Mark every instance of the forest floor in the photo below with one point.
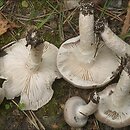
(57, 25)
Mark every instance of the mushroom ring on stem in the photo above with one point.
(76, 110)
(111, 40)
(81, 61)
(114, 105)
(29, 68)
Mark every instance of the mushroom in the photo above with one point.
(29, 68)
(111, 39)
(76, 111)
(81, 61)
(70, 4)
(114, 105)
(2, 95)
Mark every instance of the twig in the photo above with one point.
(33, 118)
(126, 25)
(40, 124)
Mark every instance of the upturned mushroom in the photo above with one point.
(76, 110)
(29, 69)
(111, 40)
(114, 106)
(81, 61)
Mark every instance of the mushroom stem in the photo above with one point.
(35, 57)
(91, 107)
(76, 110)
(86, 29)
(114, 42)
(34, 39)
(36, 53)
(88, 109)
(122, 89)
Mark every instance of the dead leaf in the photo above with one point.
(5, 25)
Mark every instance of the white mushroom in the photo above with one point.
(76, 110)
(111, 39)
(77, 59)
(2, 95)
(29, 70)
(114, 105)
(70, 4)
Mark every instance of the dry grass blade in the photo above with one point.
(72, 28)
(31, 121)
(38, 121)
(126, 25)
(109, 13)
(61, 31)
(72, 13)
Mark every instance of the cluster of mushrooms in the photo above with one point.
(31, 65)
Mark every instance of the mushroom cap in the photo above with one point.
(71, 112)
(2, 95)
(75, 67)
(70, 4)
(111, 114)
(34, 87)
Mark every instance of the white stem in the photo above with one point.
(122, 89)
(86, 30)
(114, 42)
(35, 57)
(87, 110)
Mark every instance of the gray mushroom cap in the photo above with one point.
(76, 110)
(114, 106)
(77, 59)
(70, 112)
(110, 114)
